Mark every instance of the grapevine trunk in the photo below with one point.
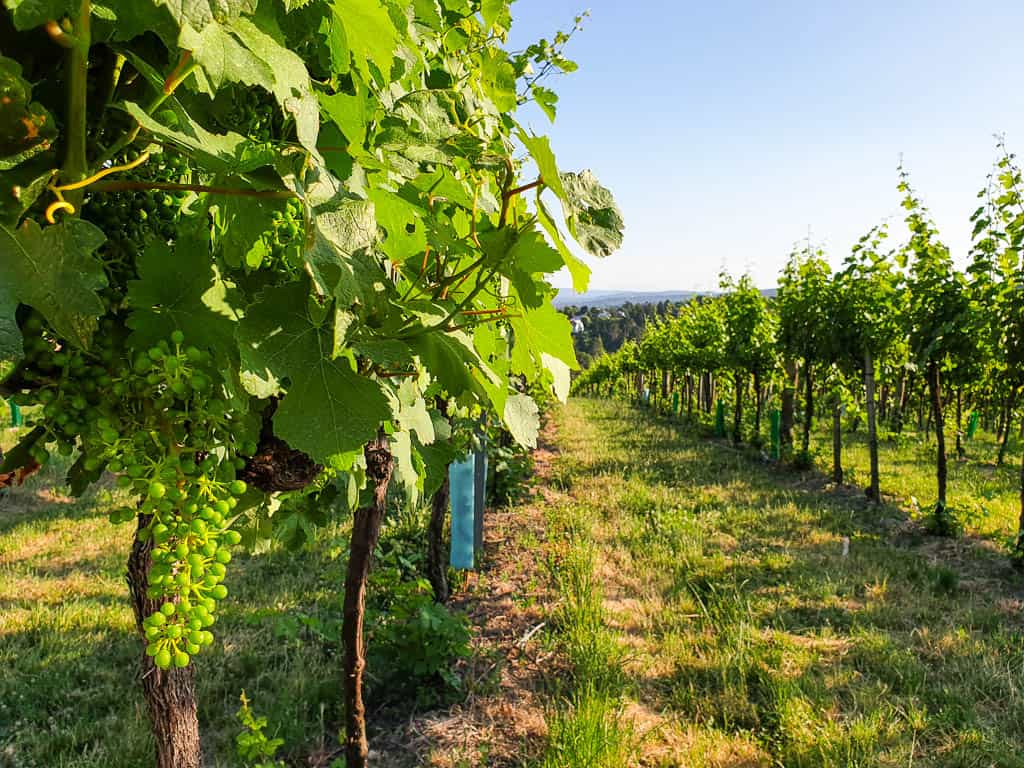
(365, 533)
(788, 404)
(940, 437)
(437, 570)
(170, 694)
(874, 490)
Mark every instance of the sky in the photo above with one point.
(730, 131)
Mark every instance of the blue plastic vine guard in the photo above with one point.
(461, 486)
(479, 494)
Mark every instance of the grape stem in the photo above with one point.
(524, 188)
(76, 162)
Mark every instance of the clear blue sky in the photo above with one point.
(726, 129)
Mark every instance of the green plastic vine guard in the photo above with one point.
(16, 417)
(720, 419)
(675, 403)
(972, 425)
(776, 436)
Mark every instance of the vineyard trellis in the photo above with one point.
(895, 329)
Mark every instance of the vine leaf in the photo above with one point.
(243, 51)
(182, 289)
(578, 269)
(328, 409)
(54, 271)
(228, 153)
(370, 34)
(26, 128)
(199, 13)
(522, 418)
(592, 215)
(539, 331)
(33, 13)
(10, 334)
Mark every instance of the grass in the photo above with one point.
(750, 639)
(708, 617)
(69, 697)
(984, 496)
(585, 727)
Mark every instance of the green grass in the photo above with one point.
(707, 617)
(585, 726)
(986, 497)
(752, 640)
(69, 694)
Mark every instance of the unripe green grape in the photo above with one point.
(167, 609)
(223, 556)
(162, 659)
(157, 490)
(217, 570)
(232, 537)
(115, 466)
(173, 631)
(160, 617)
(209, 548)
(180, 659)
(192, 648)
(219, 591)
(182, 578)
(177, 336)
(193, 354)
(237, 487)
(152, 649)
(223, 507)
(152, 633)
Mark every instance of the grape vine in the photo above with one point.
(257, 256)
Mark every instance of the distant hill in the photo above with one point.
(567, 297)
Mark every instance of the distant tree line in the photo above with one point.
(601, 330)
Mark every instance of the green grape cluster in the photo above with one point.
(169, 435)
(285, 238)
(254, 114)
(129, 218)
